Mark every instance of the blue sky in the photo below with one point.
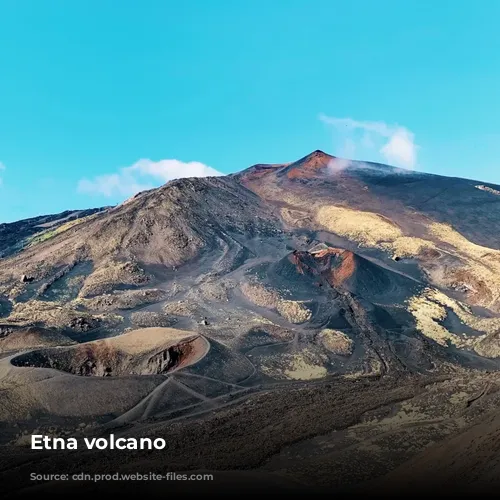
(99, 98)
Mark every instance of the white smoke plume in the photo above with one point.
(393, 143)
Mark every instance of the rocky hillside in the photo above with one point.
(16, 236)
(354, 308)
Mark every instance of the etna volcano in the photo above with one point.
(316, 325)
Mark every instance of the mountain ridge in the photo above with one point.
(346, 307)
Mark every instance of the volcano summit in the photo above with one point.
(329, 323)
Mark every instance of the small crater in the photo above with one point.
(129, 354)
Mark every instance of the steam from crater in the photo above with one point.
(393, 144)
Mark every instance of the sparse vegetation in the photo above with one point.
(147, 319)
(15, 338)
(128, 299)
(304, 365)
(336, 342)
(429, 315)
(56, 315)
(180, 308)
(464, 312)
(480, 266)
(366, 228)
(51, 233)
(293, 311)
(372, 230)
(111, 275)
(408, 246)
(429, 310)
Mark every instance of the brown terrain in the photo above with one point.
(320, 325)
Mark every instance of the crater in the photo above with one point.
(147, 351)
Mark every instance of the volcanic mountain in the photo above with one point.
(344, 313)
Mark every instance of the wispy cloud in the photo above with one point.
(2, 168)
(394, 143)
(142, 175)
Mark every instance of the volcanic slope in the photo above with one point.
(316, 305)
(444, 224)
(15, 236)
(72, 280)
(468, 455)
(465, 204)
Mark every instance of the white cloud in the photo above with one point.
(142, 175)
(394, 143)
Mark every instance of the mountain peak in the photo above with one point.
(318, 155)
(309, 165)
(320, 152)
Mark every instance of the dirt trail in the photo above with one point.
(187, 374)
(154, 397)
(190, 391)
(138, 411)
